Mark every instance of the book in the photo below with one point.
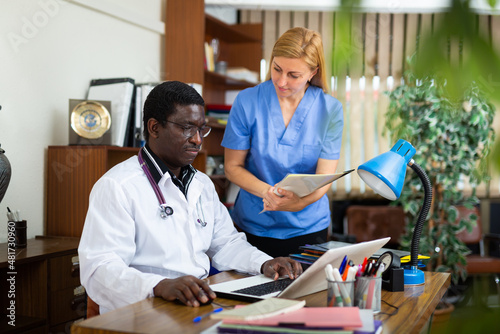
(320, 249)
(142, 92)
(309, 317)
(261, 309)
(370, 326)
(248, 329)
(304, 184)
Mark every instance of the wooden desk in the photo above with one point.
(44, 287)
(155, 315)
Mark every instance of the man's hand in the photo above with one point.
(188, 289)
(281, 266)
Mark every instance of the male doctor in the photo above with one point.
(154, 222)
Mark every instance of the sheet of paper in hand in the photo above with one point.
(304, 184)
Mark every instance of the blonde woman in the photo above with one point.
(287, 124)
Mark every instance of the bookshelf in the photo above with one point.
(187, 29)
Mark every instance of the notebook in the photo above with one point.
(312, 280)
(259, 310)
(309, 317)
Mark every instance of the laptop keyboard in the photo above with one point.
(266, 288)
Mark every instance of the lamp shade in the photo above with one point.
(385, 174)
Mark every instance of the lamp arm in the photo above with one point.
(424, 211)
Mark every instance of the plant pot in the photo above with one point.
(441, 317)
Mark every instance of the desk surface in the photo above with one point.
(39, 248)
(155, 315)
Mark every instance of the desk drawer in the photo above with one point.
(64, 272)
(68, 304)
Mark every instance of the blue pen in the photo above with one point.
(342, 266)
(201, 317)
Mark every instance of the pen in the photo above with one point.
(342, 265)
(10, 215)
(201, 317)
(346, 271)
(368, 268)
(363, 266)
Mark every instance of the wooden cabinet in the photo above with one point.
(43, 287)
(71, 174)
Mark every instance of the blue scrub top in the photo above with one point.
(315, 131)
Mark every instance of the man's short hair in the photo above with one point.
(163, 100)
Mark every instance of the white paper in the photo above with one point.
(304, 184)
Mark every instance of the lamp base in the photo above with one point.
(414, 276)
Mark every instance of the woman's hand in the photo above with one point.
(285, 201)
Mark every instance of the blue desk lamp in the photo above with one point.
(385, 174)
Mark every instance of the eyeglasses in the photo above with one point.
(190, 130)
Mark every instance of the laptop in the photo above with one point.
(312, 280)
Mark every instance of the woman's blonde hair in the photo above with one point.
(306, 44)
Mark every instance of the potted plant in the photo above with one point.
(453, 140)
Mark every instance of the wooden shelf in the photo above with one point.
(232, 33)
(224, 80)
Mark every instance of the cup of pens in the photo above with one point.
(16, 229)
(367, 292)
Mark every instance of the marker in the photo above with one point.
(380, 270)
(201, 317)
(351, 274)
(343, 292)
(336, 292)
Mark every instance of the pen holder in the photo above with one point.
(340, 293)
(367, 293)
(17, 230)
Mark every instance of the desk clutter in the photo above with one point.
(394, 262)
(295, 319)
(355, 285)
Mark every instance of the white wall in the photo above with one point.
(49, 52)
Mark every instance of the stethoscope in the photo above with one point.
(166, 210)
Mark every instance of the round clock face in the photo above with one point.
(389, 260)
(90, 119)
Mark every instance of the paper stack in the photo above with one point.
(307, 320)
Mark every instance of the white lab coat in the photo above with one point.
(126, 248)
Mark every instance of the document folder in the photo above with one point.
(120, 91)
